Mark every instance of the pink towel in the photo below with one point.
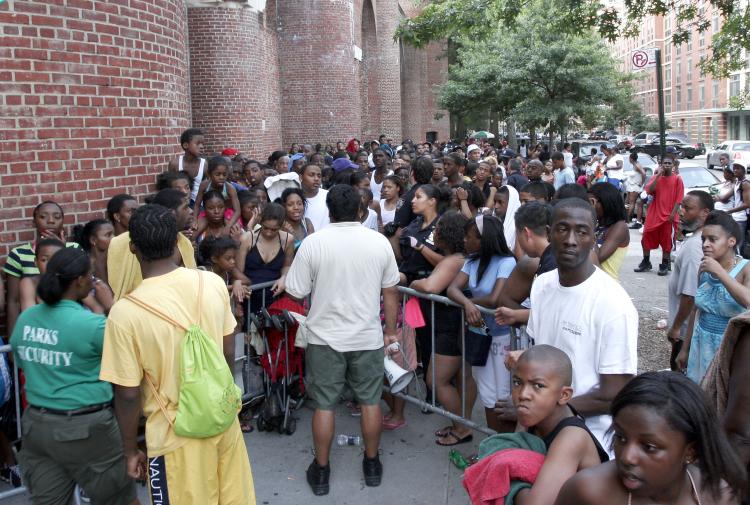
(488, 480)
(413, 313)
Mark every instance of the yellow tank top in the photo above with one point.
(612, 264)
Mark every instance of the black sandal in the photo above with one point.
(459, 440)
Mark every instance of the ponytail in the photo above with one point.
(65, 266)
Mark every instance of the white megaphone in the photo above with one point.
(397, 377)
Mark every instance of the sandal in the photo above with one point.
(443, 432)
(391, 426)
(459, 440)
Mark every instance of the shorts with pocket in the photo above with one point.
(61, 451)
(493, 379)
(328, 372)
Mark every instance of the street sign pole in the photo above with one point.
(660, 102)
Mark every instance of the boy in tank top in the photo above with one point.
(191, 162)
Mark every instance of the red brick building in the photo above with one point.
(94, 94)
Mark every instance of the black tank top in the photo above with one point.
(577, 421)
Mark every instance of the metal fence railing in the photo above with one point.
(517, 338)
(6, 349)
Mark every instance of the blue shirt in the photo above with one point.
(499, 267)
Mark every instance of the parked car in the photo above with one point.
(644, 138)
(582, 150)
(736, 149)
(681, 149)
(648, 163)
(695, 176)
(698, 147)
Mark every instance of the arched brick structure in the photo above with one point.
(93, 97)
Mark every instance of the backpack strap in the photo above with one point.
(168, 319)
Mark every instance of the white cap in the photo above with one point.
(472, 147)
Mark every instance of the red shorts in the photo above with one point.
(659, 236)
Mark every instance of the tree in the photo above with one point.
(443, 19)
(534, 73)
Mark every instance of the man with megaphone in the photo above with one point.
(345, 268)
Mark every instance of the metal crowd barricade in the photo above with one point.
(246, 357)
(517, 339)
(17, 397)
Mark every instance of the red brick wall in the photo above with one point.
(93, 97)
(234, 78)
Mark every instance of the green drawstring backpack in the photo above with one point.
(209, 399)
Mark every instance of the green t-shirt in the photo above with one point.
(59, 348)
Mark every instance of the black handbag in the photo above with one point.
(477, 344)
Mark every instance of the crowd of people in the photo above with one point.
(98, 318)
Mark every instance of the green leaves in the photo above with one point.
(477, 21)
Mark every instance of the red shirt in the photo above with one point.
(668, 193)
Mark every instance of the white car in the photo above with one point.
(738, 150)
(696, 176)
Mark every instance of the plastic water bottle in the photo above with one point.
(348, 439)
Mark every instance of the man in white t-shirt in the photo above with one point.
(315, 198)
(583, 311)
(615, 172)
(567, 155)
(346, 267)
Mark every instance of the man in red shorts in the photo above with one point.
(661, 221)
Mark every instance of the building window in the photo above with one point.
(677, 98)
(702, 40)
(702, 96)
(689, 65)
(715, 23)
(667, 52)
(734, 85)
(747, 82)
(677, 49)
(734, 127)
(690, 44)
(677, 71)
(667, 26)
(689, 98)
(667, 76)
(667, 102)
(715, 95)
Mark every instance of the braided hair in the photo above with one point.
(65, 266)
(153, 231)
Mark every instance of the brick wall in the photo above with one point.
(234, 78)
(93, 97)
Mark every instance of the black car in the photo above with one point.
(682, 148)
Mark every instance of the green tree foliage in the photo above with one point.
(443, 19)
(535, 73)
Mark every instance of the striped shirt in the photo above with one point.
(20, 262)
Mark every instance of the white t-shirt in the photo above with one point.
(317, 210)
(372, 220)
(344, 267)
(375, 187)
(612, 170)
(740, 216)
(568, 157)
(594, 323)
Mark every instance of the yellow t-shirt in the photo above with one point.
(123, 269)
(137, 341)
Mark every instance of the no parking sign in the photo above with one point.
(643, 58)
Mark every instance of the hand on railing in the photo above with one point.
(240, 291)
(473, 316)
(505, 410)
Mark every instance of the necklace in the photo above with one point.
(692, 485)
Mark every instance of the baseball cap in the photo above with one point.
(472, 147)
(342, 164)
(508, 153)
(230, 151)
(671, 150)
(739, 163)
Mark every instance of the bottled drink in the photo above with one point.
(348, 439)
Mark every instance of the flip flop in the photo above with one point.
(459, 440)
(391, 426)
(443, 432)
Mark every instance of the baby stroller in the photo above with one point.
(282, 366)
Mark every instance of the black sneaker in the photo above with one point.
(645, 266)
(373, 470)
(635, 226)
(317, 477)
(663, 269)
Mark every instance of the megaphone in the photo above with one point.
(397, 377)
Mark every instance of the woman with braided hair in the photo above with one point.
(70, 434)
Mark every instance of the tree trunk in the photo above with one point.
(512, 138)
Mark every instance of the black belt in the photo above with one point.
(76, 412)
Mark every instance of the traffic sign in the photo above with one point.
(643, 58)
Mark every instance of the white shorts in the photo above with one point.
(493, 379)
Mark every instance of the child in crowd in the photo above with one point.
(176, 180)
(249, 210)
(119, 209)
(293, 200)
(218, 170)
(390, 198)
(215, 222)
(191, 162)
(535, 192)
(253, 173)
(261, 194)
(541, 390)
(668, 442)
(369, 217)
